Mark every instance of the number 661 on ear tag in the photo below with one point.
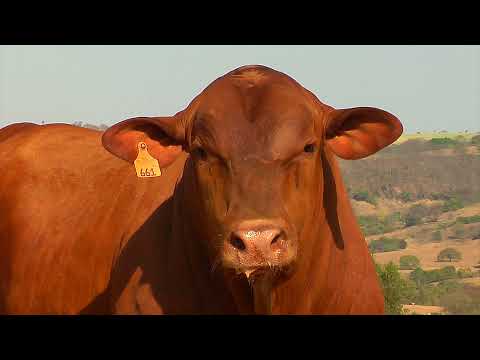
(145, 164)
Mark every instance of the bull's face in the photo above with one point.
(255, 152)
(255, 139)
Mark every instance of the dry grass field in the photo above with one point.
(472, 281)
(434, 135)
(423, 309)
(427, 254)
(418, 244)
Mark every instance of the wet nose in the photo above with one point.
(263, 238)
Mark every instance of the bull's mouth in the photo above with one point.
(277, 272)
(254, 272)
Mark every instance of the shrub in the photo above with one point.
(405, 196)
(417, 213)
(373, 225)
(456, 297)
(459, 231)
(449, 254)
(412, 220)
(468, 219)
(422, 277)
(461, 301)
(446, 273)
(449, 286)
(439, 196)
(409, 262)
(452, 204)
(437, 236)
(446, 225)
(364, 196)
(443, 142)
(475, 140)
(393, 221)
(465, 273)
(385, 244)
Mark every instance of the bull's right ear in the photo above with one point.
(164, 137)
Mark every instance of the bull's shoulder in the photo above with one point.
(63, 163)
(32, 142)
(63, 196)
(64, 171)
(16, 129)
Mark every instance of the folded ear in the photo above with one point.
(164, 137)
(360, 132)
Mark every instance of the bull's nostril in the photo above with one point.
(276, 238)
(237, 243)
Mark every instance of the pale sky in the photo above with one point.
(428, 87)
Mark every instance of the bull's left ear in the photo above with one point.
(360, 132)
(164, 136)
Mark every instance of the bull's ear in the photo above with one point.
(164, 137)
(359, 132)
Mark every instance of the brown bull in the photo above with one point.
(249, 215)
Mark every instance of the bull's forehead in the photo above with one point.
(253, 113)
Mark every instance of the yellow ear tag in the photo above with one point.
(145, 164)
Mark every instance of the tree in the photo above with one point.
(409, 262)
(449, 254)
(393, 287)
(419, 276)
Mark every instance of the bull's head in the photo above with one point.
(255, 139)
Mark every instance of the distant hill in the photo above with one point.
(415, 169)
(425, 191)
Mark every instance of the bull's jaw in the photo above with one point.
(261, 283)
(262, 295)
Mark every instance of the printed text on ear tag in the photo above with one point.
(145, 164)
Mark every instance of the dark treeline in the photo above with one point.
(101, 127)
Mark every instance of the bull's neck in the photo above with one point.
(334, 260)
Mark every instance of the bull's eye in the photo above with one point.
(202, 154)
(309, 148)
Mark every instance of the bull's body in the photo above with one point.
(81, 233)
